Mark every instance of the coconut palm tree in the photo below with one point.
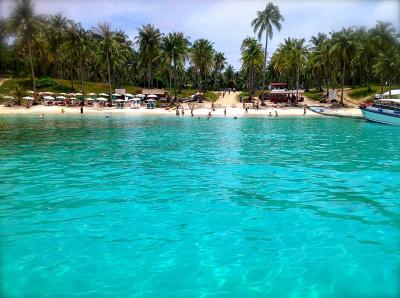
(229, 76)
(175, 47)
(148, 40)
(388, 65)
(202, 60)
(107, 44)
(253, 61)
(219, 65)
(344, 48)
(22, 23)
(264, 22)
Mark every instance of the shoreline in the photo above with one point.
(201, 112)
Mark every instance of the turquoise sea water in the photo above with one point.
(172, 207)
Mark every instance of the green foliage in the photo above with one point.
(314, 94)
(210, 96)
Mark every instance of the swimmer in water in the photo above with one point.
(41, 116)
(235, 117)
(62, 111)
(107, 115)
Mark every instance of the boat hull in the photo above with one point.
(385, 117)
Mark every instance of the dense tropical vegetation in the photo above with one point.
(52, 46)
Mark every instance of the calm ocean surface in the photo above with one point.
(172, 207)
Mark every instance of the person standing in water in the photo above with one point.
(177, 112)
(225, 112)
(305, 111)
(82, 104)
(276, 114)
(191, 111)
(183, 111)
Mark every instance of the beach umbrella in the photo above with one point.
(140, 95)
(152, 96)
(71, 94)
(27, 97)
(47, 93)
(89, 99)
(62, 93)
(47, 97)
(30, 92)
(7, 97)
(103, 94)
(119, 100)
(72, 98)
(128, 95)
(91, 94)
(78, 94)
(61, 97)
(115, 94)
(102, 99)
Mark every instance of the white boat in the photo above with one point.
(385, 110)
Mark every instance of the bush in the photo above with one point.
(45, 82)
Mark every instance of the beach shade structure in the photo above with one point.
(7, 97)
(103, 94)
(101, 99)
(28, 98)
(47, 92)
(90, 99)
(128, 95)
(91, 94)
(48, 97)
(78, 94)
(119, 100)
(151, 96)
(61, 97)
(62, 93)
(140, 95)
(30, 92)
(71, 94)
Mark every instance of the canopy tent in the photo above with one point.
(91, 94)
(101, 99)
(61, 97)
(103, 94)
(28, 98)
(140, 95)
(152, 96)
(47, 97)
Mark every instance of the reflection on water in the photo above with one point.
(146, 206)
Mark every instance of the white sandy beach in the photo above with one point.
(200, 112)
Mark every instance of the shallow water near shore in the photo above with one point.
(187, 207)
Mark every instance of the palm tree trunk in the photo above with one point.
(265, 63)
(32, 70)
(390, 85)
(343, 73)
(109, 77)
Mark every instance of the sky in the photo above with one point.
(224, 22)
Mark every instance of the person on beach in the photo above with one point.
(223, 94)
(183, 111)
(276, 114)
(191, 111)
(246, 111)
(81, 104)
(62, 111)
(177, 112)
(225, 112)
(270, 114)
(305, 111)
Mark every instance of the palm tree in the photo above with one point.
(344, 48)
(388, 65)
(107, 45)
(22, 22)
(175, 47)
(202, 60)
(252, 59)
(264, 22)
(219, 65)
(229, 76)
(148, 40)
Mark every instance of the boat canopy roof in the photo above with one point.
(393, 92)
(394, 100)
